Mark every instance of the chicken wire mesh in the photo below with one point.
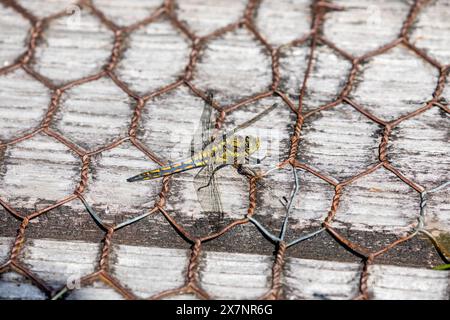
(196, 40)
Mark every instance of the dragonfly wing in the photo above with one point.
(203, 135)
(205, 181)
(256, 118)
(215, 195)
(208, 193)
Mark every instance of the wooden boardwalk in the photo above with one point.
(117, 87)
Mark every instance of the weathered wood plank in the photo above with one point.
(23, 103)
(150, 270)
(129, 12)
(61, 56)
(363, 26)
(326, 80)
(203, 18)
(51, 6)
(156, 56)
(14, 33)
(94, 114)
(281, 22)
(431, 30)
(340, 142)
(394, 96)
(240, 51)
(38, 171)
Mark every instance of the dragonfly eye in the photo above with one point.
(252, 144)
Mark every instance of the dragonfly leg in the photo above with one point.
(255, 160)
(212, 176)
(245, 170)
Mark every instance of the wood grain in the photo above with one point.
(398, 70)
(156, 56)
(14, 33)
(240, 51)
(283, 21)
(327, 78)
(23, 103)
(365, 26)
(61, 56)
(339, 142)
(201, 18)
(94, 114)
(431, 31)
(127, 13)
(223, 275)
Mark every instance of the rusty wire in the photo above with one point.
(314, 37)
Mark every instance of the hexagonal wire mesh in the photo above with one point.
(131, 119)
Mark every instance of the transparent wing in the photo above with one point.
(205, 181)
(203, 135)
(207, 190)
(256, 118)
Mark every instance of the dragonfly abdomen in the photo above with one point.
(167, 170)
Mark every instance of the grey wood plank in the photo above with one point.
(339, 142)
(151, 270)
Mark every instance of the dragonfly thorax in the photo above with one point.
(234, 149)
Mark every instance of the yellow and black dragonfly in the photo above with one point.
(211, 151)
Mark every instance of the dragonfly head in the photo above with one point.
(252, 144)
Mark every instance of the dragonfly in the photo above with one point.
(210, 152)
